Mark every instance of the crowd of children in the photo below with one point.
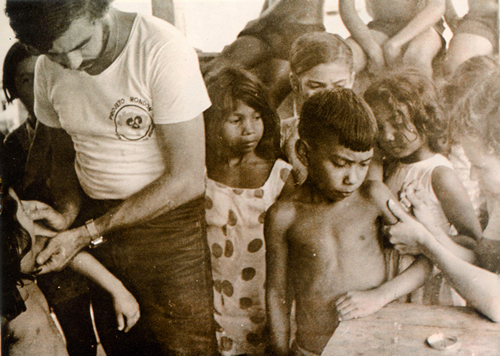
(332, 205)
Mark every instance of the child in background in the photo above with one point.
(324, 246)
(413, 132)
(318, 61)
(401, 31)
(245, 177)
(27, 328)
(476, 34)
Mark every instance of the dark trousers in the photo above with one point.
(165, 264)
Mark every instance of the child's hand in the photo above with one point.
(392, 52)
(418, 201)
(126, 309)
(358, 304)
(376, 62)
(38, 211)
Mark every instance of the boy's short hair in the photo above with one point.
(408, 87)
(338, 113)
(16, 54)
(38, 23)
(476, 114)
(316, 48)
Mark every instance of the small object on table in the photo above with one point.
(442, 342)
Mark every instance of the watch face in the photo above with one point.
(97, 242)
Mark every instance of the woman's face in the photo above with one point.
(321, 77)
(485, 165)
(24, 81)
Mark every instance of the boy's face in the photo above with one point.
(322, 77)
(485, 166)
(25, 78)
(335, 170)
(80, 46)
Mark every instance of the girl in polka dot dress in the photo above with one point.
(245, 177)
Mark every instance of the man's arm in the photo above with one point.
(277, 300)
(183, 149)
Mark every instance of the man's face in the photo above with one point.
(336, 170)
(80, 45)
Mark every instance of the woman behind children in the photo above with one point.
(245, 177)
(318, 61)
(413, 135)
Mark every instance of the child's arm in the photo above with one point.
(356, 304)
(451, 16)
(430, 14)
(455, 202)
(126, 307)
(361, 33)
(278, 303)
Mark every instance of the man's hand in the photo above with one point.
(39, 211)
(61, 249)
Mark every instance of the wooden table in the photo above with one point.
(402, 329)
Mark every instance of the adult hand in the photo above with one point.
(408, 235)
(392, 53)
(61, 249)
(418, 201)
(39, 211)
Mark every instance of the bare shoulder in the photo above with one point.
(379, 194)
(281, 214)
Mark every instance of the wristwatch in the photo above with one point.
(95, 238)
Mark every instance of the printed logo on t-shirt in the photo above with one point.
(133, 121)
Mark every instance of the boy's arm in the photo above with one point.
(361, 33)
(430, 14)
(356, 304)
(126, 307)
(278, 305)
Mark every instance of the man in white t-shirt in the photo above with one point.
(128, 91)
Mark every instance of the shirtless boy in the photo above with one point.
(323, 240)
(402, 31)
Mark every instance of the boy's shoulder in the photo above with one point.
(377, 193)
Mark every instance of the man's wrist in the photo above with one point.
(96, 238)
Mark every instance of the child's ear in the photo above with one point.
(294, 82)
(302, 150)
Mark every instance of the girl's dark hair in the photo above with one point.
(316, 48)
(476, 114)
(38, 23)
(16, 242)
(338, 113)
(410, 88)
(226, 89)
(16, 54)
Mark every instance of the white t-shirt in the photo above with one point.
(110, 116)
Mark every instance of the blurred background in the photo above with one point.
(209, 25)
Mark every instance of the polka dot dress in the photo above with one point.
(236, 238)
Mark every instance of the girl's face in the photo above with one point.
(242, 130)
(398, 136)
(485, 166)
(323, 76)
(24, 81)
